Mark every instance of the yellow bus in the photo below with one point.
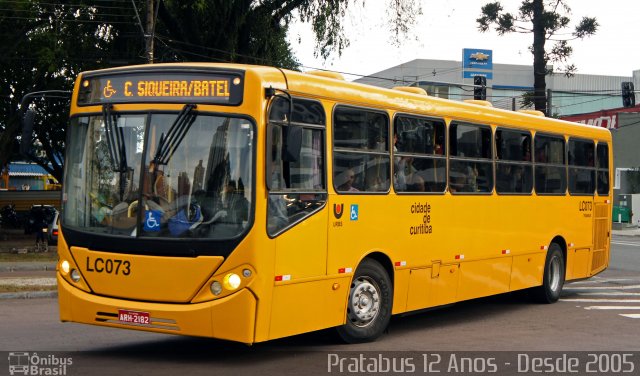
(250, 203)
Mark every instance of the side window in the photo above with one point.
(603, 169)
(582, 167)
(550, 169)
(419, 162)
(360, 151)
(297, 186)
(471, 165)
(514, 170)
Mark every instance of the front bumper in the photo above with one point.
(230, 318)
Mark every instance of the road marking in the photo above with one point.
(609, 293)
(631, 315)
(602, 300)
(601, 280)
(608, 307)
(630, 287)
(626, 243)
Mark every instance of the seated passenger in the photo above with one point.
(346, 180)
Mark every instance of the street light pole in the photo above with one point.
(150, 31)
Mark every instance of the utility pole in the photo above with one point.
(150, 30)
(549, 103)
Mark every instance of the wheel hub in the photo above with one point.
(365, 302)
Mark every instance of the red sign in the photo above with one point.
(605, 118)
(134, 317)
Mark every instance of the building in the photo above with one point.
(23, 176)
(505, 83)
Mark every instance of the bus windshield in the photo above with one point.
(173, 175)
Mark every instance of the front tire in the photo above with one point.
(369, 305)
(554, 275)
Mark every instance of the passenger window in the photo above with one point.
(297, 188)
(550, 170)
(361, 151)
(603, 184)
(514, 170)
(582, 172)
(419, 162)
(471, 164)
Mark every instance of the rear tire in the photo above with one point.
(369, 304)
(553, 278)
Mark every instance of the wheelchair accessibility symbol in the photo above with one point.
(152, 220)
(353, 213)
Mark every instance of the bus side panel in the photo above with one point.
(307, 306)
(444, 285)
(578, 263)
(301, 251)
(484, 278)
(527, 271)
(419, 288)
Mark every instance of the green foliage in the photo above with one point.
(47, 43)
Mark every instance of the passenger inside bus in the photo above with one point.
(346, 180)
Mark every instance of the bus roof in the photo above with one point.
(328, 87)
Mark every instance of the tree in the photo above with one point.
(546, 19)
(254, 32)
(47, 43)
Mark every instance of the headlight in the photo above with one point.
(65, 267)
(231, 281)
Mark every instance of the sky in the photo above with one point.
(448, 26)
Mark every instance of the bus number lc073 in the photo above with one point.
(109, 266)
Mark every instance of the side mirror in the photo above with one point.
(27, 131)
(292, 143)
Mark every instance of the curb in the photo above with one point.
(28, 295)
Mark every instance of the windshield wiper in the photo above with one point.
(117, 147)
(115, 139)
(169, 143)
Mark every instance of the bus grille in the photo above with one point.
(598, 260)
(601, 238)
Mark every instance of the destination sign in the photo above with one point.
(157, 87)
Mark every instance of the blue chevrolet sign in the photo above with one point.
(477, 59)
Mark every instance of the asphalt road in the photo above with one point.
(600, 315)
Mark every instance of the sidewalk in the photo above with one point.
(27, 280)
(25, 275)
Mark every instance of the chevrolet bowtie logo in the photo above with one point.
(479, 56)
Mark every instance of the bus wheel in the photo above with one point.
(553, 279)
(369, 307)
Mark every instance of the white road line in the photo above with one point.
(601, 300)
(609, 293)
(629, 287)
(631, 315)
(601, 280)
(607, 307)
(626, 243)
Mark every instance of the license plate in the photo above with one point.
(134, 317)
